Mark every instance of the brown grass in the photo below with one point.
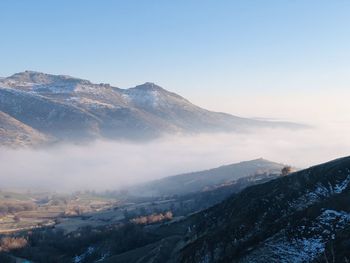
(154, 218)
(11, 243)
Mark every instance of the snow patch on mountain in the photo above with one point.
(280, 249)
(311, 242)
(319, 192)
(144, 98)
(81, 258)
(341, 186)
(334, 219)
(57, 88)
(91, 103)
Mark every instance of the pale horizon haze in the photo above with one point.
(227, 56)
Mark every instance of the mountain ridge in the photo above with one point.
(207, 179)
(76, 109)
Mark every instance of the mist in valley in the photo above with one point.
(111, 165)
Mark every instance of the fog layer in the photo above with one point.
(111, 165)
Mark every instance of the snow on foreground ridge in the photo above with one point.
(311, 244)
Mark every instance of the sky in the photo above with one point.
(274, 59)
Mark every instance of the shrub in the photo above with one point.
(11, 243)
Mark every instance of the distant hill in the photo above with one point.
(69, 108)
(208, 179)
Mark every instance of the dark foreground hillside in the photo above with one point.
(290, 219)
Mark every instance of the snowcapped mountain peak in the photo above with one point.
(42, 82)
(144, 95)
(149, 86)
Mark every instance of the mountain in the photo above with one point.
(208, 179)
(69, 108)
(290, 219)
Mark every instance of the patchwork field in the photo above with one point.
(24, 211)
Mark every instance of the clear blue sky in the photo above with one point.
(202, 47)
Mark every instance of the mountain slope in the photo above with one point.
(13, 132)
(72, 108)
(289, 219)
(46, 115)
(208, 179)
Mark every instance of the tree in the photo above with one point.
(286, 170)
